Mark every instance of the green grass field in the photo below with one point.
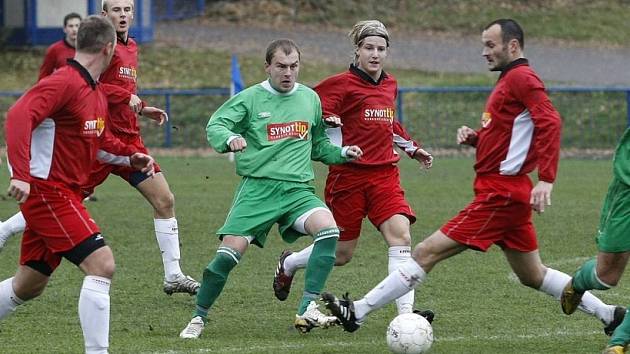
(480, 306)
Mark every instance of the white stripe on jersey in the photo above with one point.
(520, 142)
(406, 145)
(42, 145)
(106, 157)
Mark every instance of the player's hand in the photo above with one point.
(424, 157)
(135, 103)
(238, 144)
(143, 162)
(541, 196)
(333, 121)
(19, 190)
(353, 152)
(158, 115)
(466, 135)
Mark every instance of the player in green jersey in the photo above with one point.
(613, 243)
(277, 129)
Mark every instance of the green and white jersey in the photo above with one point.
(621, 161)
(284, 131)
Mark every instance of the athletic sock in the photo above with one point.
(94, 313)
(214, 277)
(586, 277)
(8, 300)
(319, 265)
(397, 283)
(297, 260)
(397, 256)
(555, 281)
(167, 236)
(13, 225)
(621, 334)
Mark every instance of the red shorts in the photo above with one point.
(101, 171)
(56, 222)
(356, 192)
(500, 214)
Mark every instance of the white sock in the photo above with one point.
(8, 300)
(168, 241)
(94, 313)
(397, 284)
(555, 281)
(397, 256)
(297, 260)
(13, 225)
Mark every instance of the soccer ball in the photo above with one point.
(409, 333)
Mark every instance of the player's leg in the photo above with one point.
(532, 273)
(157, 192)
(13, 225)
(96, 260)
(413, 272)
(321, 225)
(26, 284)
(397, 235)
(215, 276)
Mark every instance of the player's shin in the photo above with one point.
(8, 300)
(397, 256)
(319, 265)
(214, 278)
(167, 235)
(94, 313)
(586, 277)
(397, 284)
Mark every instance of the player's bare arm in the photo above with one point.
(541, 196)
(467, 136)
(19, 190)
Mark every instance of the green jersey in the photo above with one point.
(621, 161)
(283, 131)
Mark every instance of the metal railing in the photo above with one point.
(593, 117)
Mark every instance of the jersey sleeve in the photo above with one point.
(530, 90)
(48, 66)
(323, 150)
(42, 100)
(331, 92)
(403, 140)
(229, 120)
(113, 151)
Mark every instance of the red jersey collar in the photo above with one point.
(512, 65)
(83, 71)
(65, 41)
(360, 73)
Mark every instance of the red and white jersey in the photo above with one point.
(57, 55)
(520, 128)
(56, 130)
(367, 109)
(119, 82)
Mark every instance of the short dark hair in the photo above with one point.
(510, 29)
(286, 45)
(69, 17)
(94, 33)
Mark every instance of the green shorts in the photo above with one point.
(260, 202)
(613, 235)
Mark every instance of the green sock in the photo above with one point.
(586, 278)
(319, 265)
(621, 335)
(214, 278)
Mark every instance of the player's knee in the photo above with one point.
(164, 204)
(609, 278)
(29, 291)
(342, 257)
(425, 255)
(106, 268)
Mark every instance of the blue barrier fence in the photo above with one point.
(177, 9)
(594, 117)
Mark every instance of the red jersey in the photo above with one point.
(520, 128)
(367, 111)
(119, 82)
(57, 129)
(57, 55)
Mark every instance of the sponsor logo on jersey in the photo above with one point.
(94, 127)
(264, 114)
(290, 130)
(486, 118)
(379, 114)
(127, 72)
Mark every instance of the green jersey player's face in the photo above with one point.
(283, 70)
